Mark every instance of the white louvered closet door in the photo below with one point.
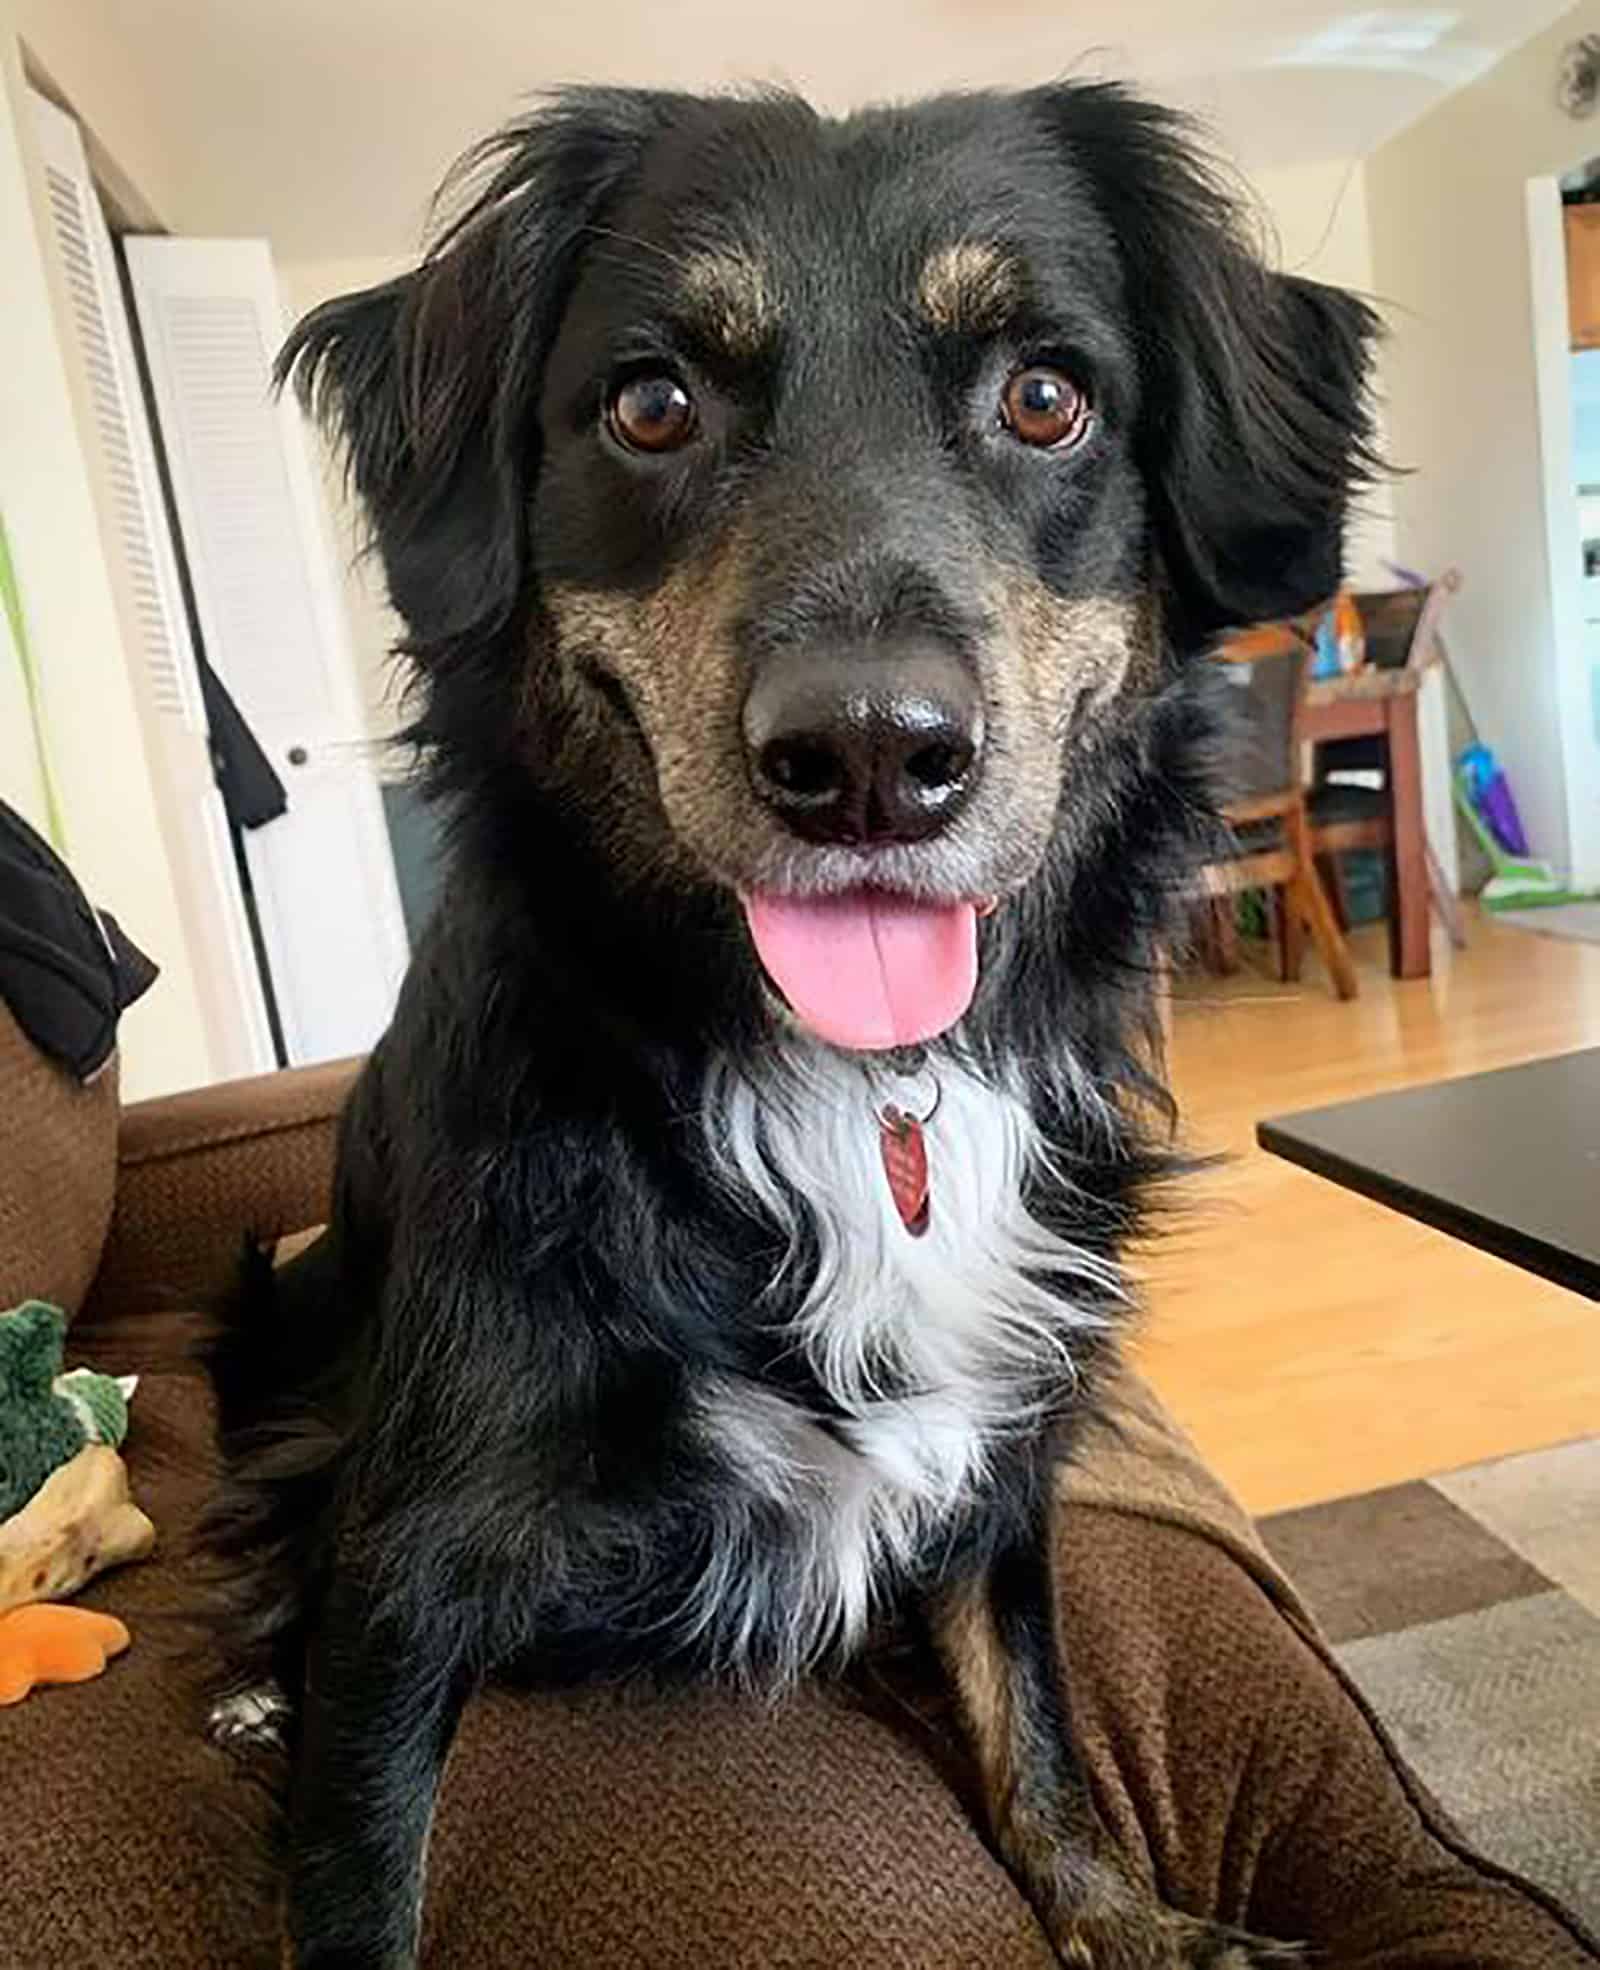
(166, 683)
(273, 625)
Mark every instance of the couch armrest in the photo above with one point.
(198, 1172)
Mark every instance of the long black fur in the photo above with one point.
(456, 1431)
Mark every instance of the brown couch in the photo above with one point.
(698, 1829)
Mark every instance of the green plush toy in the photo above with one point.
(46, 1417)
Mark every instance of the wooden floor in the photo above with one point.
(1317, 1344)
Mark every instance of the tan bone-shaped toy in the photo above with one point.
(80, 1521)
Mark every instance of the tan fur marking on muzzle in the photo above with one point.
(1072, 657)
(671, 650)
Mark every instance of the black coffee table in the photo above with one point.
(1508, 1161)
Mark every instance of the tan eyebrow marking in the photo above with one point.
(730, 293)
(970, 285)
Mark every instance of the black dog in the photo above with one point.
(806, 532)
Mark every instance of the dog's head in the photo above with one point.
(810, 503)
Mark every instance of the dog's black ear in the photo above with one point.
(1255, 425)
(429, 383)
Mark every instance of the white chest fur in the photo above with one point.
(930, 1347)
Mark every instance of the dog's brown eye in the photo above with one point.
(653, 413)
(1043, 407)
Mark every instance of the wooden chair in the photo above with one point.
(1265, 800)
(1402, 633)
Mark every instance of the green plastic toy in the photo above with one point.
(1519, 882)
(46, 1417)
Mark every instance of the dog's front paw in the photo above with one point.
(252, 1718)
(1165, 1940)
(1211, 1946)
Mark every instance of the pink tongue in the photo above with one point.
(869, 971)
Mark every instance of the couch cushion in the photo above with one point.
(677, 1831)
(670, 1831)
(690, 1828)
(58, 1166)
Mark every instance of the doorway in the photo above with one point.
(1564, 258)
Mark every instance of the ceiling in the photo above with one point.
(324, 124)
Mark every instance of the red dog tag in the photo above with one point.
(905, 1164)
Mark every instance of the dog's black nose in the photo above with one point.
(866, 746)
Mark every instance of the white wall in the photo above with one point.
(22, 783)
(49, 494)
(1448, 208)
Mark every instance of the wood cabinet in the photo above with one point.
(1583, 275)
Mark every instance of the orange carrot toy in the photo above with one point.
(45, 1643)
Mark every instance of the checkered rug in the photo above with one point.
(1467, 1610)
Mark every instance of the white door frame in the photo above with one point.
(162, 672)
(273, 625)
(1575, 708)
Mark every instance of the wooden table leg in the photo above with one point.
(1305, 897)
(1291, 928)
(1225, 928)
(1446, 902)
(1409, 954)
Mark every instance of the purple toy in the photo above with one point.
(1490, 793)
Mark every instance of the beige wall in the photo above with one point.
(1316, 215)
(1321, 228)
(51, 499)
(88, 65)
(1447, 202)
